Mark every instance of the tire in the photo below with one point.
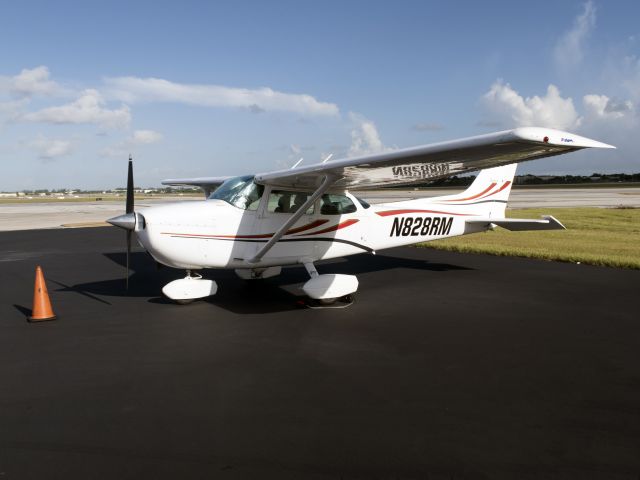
(327, 301)
(185, 301)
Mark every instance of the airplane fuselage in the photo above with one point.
(215, 234)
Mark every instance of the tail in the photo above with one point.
(488, 193)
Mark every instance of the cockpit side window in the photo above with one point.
(281, 201)
(240, 192)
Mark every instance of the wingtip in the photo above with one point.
(557, 137)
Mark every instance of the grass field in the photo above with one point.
(596, 236)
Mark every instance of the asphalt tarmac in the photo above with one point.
(446, 366)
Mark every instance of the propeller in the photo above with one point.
(129, 210)
(128, 220)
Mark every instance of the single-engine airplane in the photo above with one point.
(256, 224)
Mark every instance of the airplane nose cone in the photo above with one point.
(126, 221)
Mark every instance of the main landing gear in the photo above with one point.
(189, 288)
(335, 290)
(329, 289)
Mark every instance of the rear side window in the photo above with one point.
(364, 203)
(332, 204)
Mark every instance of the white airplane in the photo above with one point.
(256, 224)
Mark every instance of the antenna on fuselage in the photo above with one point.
(297, 163)
(328, 158)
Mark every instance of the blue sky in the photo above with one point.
(204, 89)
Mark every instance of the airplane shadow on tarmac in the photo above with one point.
(275, 294)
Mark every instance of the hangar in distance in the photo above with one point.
(257, 224)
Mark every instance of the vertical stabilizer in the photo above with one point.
(488, 193)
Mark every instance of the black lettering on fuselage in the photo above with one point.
(407, 226)
(421, 226)
(416, 226)
(396, 228)
(425, 226)
(445, 225)
(434, 226)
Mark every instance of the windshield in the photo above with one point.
(240, 192)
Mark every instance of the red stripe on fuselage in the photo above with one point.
(308, 226)
(334, 228)
(387, 213)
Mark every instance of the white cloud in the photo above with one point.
(569, 50)
(50, 148)
(129, 144)
(17, 91)
(134, 89)
(89, 108)
(11, 110)
(364, 137)
(601, 107)
(145, 137)
(29, 82)
(551, 110)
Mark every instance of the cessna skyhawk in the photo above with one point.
(256, 224)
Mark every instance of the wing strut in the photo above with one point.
(329, 180)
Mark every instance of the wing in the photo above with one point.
(208, 184)
(430, 162)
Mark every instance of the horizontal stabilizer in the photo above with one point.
(548, 222)
(208, 184)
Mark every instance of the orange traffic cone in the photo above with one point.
(41, 304)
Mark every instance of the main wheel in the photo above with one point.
(350, 298)
(327, 301)
(184, 301)
(345, 300)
